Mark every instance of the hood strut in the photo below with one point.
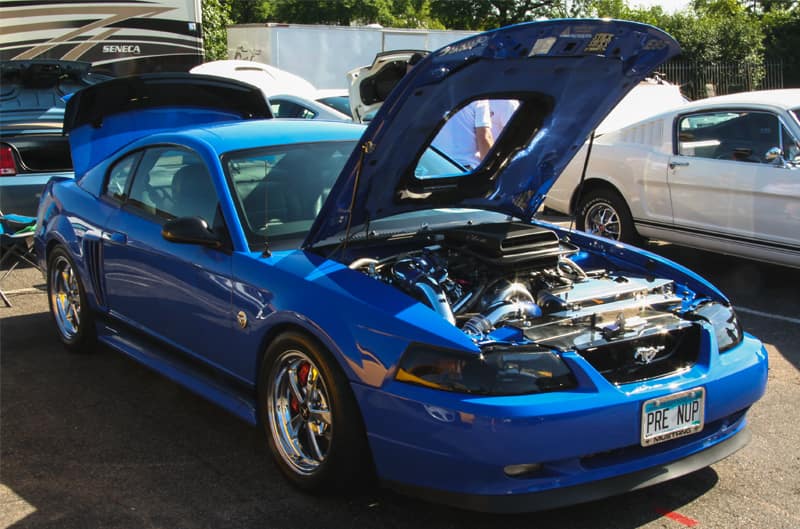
(366, 148)
(574, 209)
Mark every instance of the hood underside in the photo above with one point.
(567, 76)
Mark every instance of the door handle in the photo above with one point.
(673, 165)
(116, 237)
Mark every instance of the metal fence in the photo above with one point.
(699, 80)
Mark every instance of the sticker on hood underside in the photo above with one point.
(599, 43)
(578, 32)
(655, 44)
(465, 46)
(542, 46)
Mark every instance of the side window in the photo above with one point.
(289, 109)
(172, 183)
(743, 136)
(790, 147)
(119, 176)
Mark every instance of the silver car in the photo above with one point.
(721, 174)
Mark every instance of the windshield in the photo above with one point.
(796, 113)
(279, 191)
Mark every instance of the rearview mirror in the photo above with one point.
(190, 230)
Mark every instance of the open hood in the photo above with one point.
(567, 76)
(104, 117)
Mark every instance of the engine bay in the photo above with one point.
(514, 283)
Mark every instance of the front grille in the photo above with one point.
(646, 357)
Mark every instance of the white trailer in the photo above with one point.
(324, 54)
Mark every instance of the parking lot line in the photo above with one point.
(678, 517)
(780, 317)
(22, 291)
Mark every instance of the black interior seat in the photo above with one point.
(193, 193)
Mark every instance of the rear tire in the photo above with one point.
(67, 298)
(603, 212)
(310, 417)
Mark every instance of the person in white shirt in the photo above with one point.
(501, 112)
(467, 136)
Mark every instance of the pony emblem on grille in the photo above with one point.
(645, 355)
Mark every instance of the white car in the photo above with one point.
(721, 174)
(290, 96)
(371, 85)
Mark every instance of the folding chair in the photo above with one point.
(16, 245)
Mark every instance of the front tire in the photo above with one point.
(603, 212)
(71, 313)
(310, 417)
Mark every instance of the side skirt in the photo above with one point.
(762, 244)
(196, 376)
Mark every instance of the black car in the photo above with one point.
(32, 146)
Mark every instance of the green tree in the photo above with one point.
(718, 30)
(249, 11)
(488, 14)
(782, 41)
(709, 31)
(414, 14)
(216, 18)
(334, 12)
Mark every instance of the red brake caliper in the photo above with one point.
(302, 378)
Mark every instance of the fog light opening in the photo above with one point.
(526, 470)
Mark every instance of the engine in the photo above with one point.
(516, 283)
(517, 275)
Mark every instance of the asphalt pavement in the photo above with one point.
(98, 441)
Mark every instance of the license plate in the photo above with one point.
(673, 416)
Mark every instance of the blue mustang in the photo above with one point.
(377, 309)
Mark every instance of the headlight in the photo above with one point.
(725, 323)
(506, 371)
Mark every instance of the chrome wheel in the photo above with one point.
(603, 220)
(65, 298)
(300, 417)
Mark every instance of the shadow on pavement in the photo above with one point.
(96, 440)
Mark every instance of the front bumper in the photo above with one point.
(453, 447)
(596, 490)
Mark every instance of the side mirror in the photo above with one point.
(190, 230)
(774, 155)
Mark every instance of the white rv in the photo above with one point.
(117, 38)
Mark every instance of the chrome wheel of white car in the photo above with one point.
(299, 412)
(603, 212)
(310, 416)
(603, 220)
(67, 299)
